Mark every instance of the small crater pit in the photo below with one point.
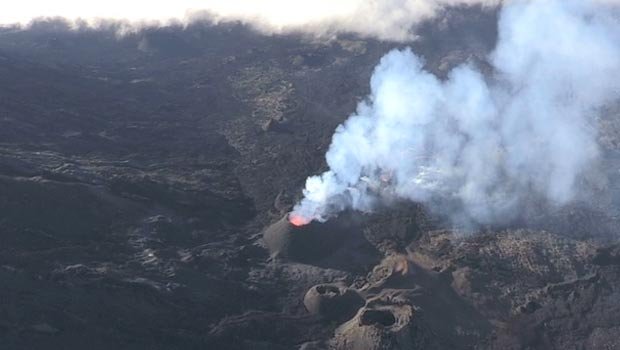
(327, 290)
(377, 317)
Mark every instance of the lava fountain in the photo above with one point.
(298, 220)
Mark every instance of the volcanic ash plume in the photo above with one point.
(481, 143)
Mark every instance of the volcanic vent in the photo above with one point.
(296, 238)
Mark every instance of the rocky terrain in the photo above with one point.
(145, 181)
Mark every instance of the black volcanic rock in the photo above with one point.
(145, 179)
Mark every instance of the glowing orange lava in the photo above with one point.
(298, 220)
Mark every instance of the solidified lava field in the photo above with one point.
(145, 182)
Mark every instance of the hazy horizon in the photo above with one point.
(387, 20)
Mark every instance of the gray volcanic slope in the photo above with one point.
(138, 175)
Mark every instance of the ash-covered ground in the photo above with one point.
(138, 175)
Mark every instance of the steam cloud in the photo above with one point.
(385, 19)
(482, 143)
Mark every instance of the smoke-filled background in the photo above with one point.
(386, 19)
(480, 146)
(475, 147)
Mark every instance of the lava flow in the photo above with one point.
(298, 220)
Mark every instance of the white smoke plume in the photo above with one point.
(481, 142)
(385, 19)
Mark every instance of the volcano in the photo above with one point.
(295, 238)
(145, 205)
